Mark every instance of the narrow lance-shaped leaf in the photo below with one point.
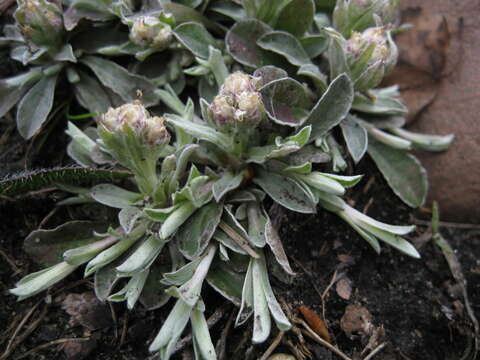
(35, 106)
(403, 172)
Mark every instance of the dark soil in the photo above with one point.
(417, 302)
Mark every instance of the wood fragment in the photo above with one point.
(316, 323)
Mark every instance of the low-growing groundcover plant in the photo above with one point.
(270, 109)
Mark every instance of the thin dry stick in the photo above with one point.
(238, 239)
(124, 330)
(17, 330)
(10, 262)
(115, 322)
(375, 351)
(54, 342)
(273, 345)
(222, 342)
(445, 224)
(310, 333)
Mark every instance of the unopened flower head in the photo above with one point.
(40, 22)
(238, 102)
(150, 32)
(359, 42)
(150, 128)
(386, 10)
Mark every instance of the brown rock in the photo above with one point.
(86, 310)
(439, 75)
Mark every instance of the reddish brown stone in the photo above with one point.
(440, 78)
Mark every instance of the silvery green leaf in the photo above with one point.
(331, 202)
(46, 247)
(176, 219)
(372, 240)
(190, 291)
(230, 220)
(36, 104)
(286, 191)
(284, 44)
(131, 291)
(336, 53)
(183, 155)
(193, 237)
(389, 139)
(12, 88)
(182, 14)
(241, 212)
(87, 252)
(278, 315)
(202, 343)
(171, 99)
(314, 45)
(91, 95)
(241, 42)
(105, 280)
(153, 295)
(182, 275)
(195, 38)
(424, 141)
(308, 153)
(379, 103)
(217, 65)
(273, 240)
(261, 313)
(256, 224)
(403, 172)
(286, 101)
(115, 251)
(338, 162)
(160, 215)
(128, 217)
(394, 241)
(332, 107)
(226, 282)
(356, 138)
(228, 242)
(266, 11)
(229, 9)
(200, 131)
(171, 330)
(223, 253)
(363, 219)
(246, 306)
(269, 73)
(345, 181)
(114, 196)
(41, 280)
(120, 81)
(65, 54)
(228, 181)
(81, 146)
(313, 72)
(296, 17)
(305, 168)
(143, 256)
(322, 182)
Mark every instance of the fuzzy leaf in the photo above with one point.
(227, 182)
(314, 45)
(241, 42)
(46, 247)
(114, 196)
(226, 282)
(314, 73)
(195, 234)
(332, 108)
(403, 172)
(284, 44)
(297, 17)
(91, 95)
(35, 106)
(356, 138)
(195, 38)
(285, 191)
(121, 81)
(286, 101)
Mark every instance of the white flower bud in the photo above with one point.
(222, 110)
(150, 32)
(40, 22)
(150, 129)
(359, 42)
(251, 106)
(237, 83)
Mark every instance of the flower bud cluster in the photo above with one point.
(238, 103)
(359, 42)
(150, 129)
(40, 22)
(387, 11)
(149, 32)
